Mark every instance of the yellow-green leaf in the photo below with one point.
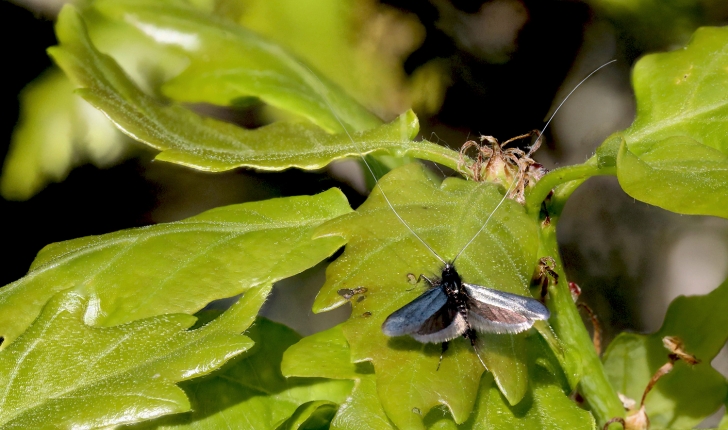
(207, 144)
(250, 393)
(179, 266)
(381, 252)
(675, 154)
(244, 64)
(63, 373)
(687, 395)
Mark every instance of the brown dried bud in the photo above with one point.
(637, 420)
(575, 291)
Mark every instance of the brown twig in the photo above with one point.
(597, 336)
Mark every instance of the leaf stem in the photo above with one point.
(564, 175)
(581, 359)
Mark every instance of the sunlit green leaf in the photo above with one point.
(545, 407)
(322, 355)
(327, 355)
(675, 154)
(177, 267)
(349, 41)
(650, 25)
(362, 410)
(203, 143)
(57, 130)
(381, 252)
(148, 63)
(63, 373)
(244, 64)
(679, 174)
(687, 395)
(250, 393)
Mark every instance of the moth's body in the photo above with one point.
(452, 308)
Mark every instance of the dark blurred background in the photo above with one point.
(470, 67)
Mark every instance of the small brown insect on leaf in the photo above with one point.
(545, 274)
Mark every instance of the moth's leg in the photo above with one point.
(471, 336)
(545, 275)
(418, 279)
(428, 280)
(523, 136)
(444, 348)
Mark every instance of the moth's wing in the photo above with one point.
(493, 311)
(428, 318)
(446, 324)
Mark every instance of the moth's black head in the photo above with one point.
(450, 275)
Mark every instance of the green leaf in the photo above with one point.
(545, 407)
(347, 41)
(687, 395)
(675, 154)
(179, 266)
(57, 130)
(63, 373)
(362, 410)
(649, 25)
(327, 355)
(322, 355)
(606, 154)
(206, 144)
(251, 393)
(310, 416)
(679, 174)
(243, 65)
(381, 252)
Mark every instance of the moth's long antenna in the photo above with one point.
(533, 148)
(366, 163)
(538, 139)
(505, 196)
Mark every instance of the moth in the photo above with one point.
(450, 307)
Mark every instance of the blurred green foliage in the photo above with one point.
(56, 130)
(100, 331)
